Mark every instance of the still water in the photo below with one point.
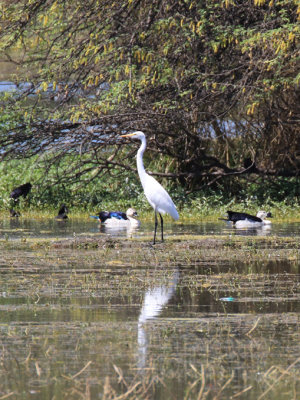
(15, 228)
(122, 324)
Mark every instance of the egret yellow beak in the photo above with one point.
(129, 134)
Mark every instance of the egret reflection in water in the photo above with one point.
(154, 301)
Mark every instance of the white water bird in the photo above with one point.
(118, 219)
(244, 220)
(131, 220)
(156, 195)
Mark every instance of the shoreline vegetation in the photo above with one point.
(122, 190)
(211, 215)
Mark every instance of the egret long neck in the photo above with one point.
(139, 160)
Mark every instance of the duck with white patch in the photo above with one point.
(118, 218)
(244, 220)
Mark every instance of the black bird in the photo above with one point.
(62, 213)
(19, 191)
(14, 213)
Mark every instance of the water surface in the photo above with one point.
(15, 228)
(140, 321)
(100, 324)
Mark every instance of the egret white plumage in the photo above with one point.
(156, 195)
(244, 220)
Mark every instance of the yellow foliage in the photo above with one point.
(215, 47)
(90, 81)
(127, 69)
(291, 36)
(53, 7)
(259, 2)
(137, 55)
(192, 27)
(252, 108)
(153, 78)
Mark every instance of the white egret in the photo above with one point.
(156, 195)
(244, 220)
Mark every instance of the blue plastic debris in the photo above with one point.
(227, 299)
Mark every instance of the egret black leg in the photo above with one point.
(155, 227)
(162, 227)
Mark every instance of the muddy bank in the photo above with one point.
(176, 243)
(179, 251)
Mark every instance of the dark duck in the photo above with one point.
(62, 213)
(244, 220)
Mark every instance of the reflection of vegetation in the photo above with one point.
(214, 84)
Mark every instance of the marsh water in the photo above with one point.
(131, 320)
(16, 228)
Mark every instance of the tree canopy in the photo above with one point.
(213, 84)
